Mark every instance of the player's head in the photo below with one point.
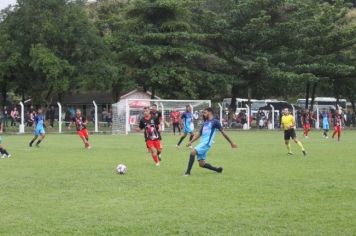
(154, 107)
(208, 113)
(39, 111)
(146, 111)
(78, 112)
(286, 111)
(188, 108)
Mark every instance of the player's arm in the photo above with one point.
(140, 127)
(195, 138)
(233, 145)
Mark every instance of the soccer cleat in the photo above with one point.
(304, 152)
(290, 153)
(3, 156)
(8, 156)
(186, 174)
(220, 170)
(157, 164)
(177, 146)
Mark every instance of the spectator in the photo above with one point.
(104, 115)
(109, 117)
(14, 116)
(5, 116)
(52, 113)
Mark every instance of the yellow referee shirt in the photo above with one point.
(288, 122)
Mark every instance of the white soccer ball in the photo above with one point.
(121, 169)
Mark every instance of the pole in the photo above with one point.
(96, 117)
(221, 113)
(59, 117)
(163, 118)
(127, 117)
(22, 125)
(317, 124)
(272, 116)
(248, 116)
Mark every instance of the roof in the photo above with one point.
(138, 94)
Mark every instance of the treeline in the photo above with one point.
(195, 49)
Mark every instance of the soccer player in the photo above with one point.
(39, 126)
(306, 122)
(288, 124)
(337, 125)
(3, 151)
(325, 118)
(187, 120)
(175, 119)
(80, 124)
(150, 125)
(206, 135)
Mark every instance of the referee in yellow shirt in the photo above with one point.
(288, 124)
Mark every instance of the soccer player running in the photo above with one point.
(81, 126)
(4, 153)
(39, 126)
(150, 125)
(306, 122)
(325, 118)
(337, 125)
(206, 135)
(175, 119)
(288, 124)
(187, 120)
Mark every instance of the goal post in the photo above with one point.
(127, 113)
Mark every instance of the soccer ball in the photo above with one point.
(121, 169)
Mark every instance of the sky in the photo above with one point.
(5, 3)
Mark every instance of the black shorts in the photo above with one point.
(289, 134)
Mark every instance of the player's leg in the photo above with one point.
(42, 136)
(338, 133)
(299, 143)
(335, 132)
(33, 140)
(154, 155)
(86, 137)
(286, 142)
(202, 150)
(3, 152)
(192, 155)
(191, 136)
(179, 129)
(181, 139)
(174, 128)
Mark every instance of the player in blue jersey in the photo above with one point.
(188, 126)
(325, 118)
(206, 135)
(39, 126)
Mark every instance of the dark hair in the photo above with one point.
(209, 109)
(154, 105)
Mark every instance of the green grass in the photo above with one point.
(63, 189)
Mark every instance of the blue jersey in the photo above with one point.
(187, 118)
(325, 118)
(39, 119)
(208, 131)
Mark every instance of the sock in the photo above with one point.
(191, 137)
(38, 142)
(155, 158)
(300, 145)
(289, 148)
(210, 167)
(181, 140)
(31, 142)
(190, 163)
(3, 151)
(338, 136)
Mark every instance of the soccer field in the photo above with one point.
(63, 189)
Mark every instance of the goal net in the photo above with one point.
(127, 113)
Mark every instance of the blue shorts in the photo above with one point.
(39, 131)
(326, 126)
(187, 131)
(202, 149)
